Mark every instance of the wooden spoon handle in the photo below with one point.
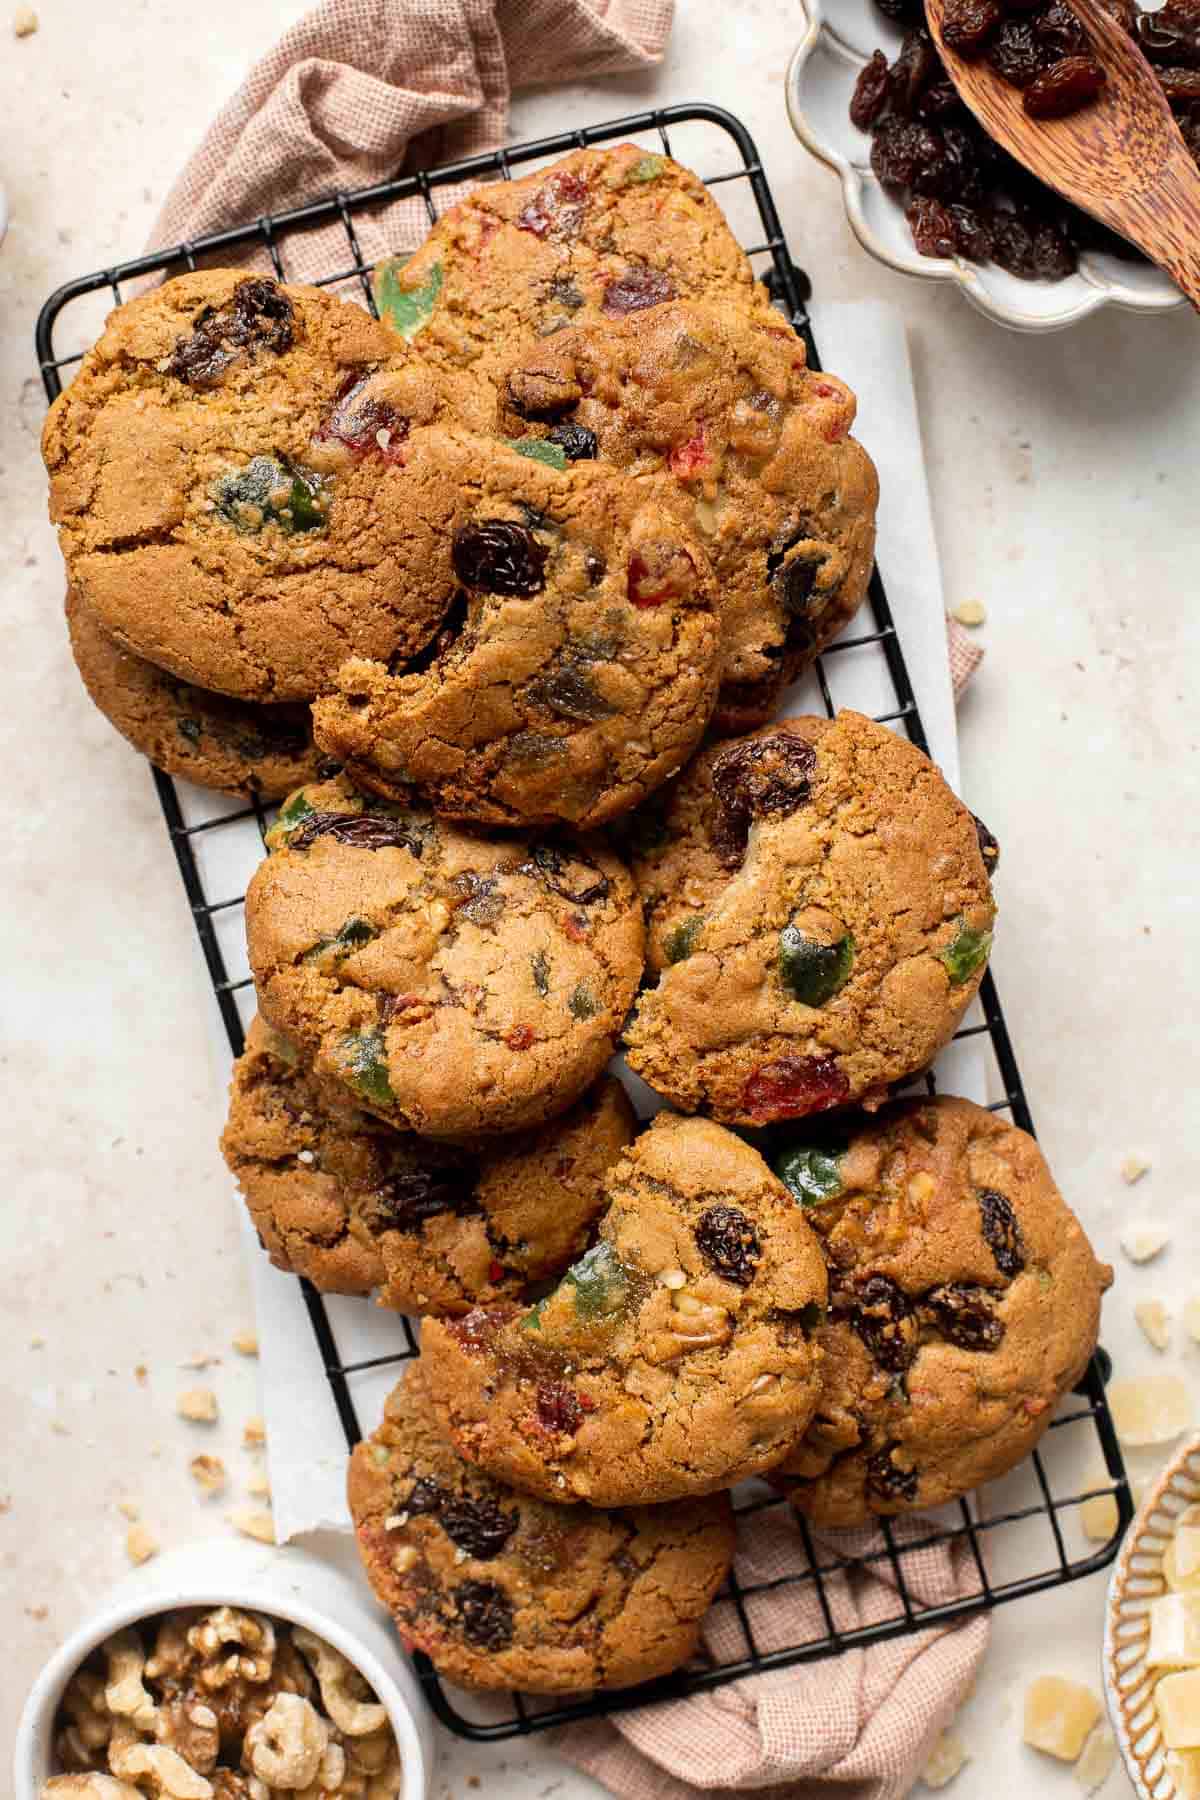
(1164, 219)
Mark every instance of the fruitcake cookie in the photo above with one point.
(339, 1197)
(234, 745)
(750, 448)
(502, 1591)
(595, 237)
(821, 901)
(675, 1358)
(964, 1302)
(582, 670)
(224, 476)
(454, 984)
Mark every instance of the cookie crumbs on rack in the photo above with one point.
(140, 1544)
(208, 1473)
(253, 1522)
(199, 1405)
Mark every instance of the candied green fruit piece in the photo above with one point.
(814, 971)
(680, 941)
(407, 310)
(271, 491)
(539, 450)
(599, 1279)
(289, 816)
(967, 951)
(812, 1176)
(539, 967)
(352, 936)
(648, 168)
(364, 1066)
(582, 1003)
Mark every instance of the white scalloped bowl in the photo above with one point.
(839, 38)
(1137, 1579)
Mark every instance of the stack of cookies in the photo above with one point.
(502, 591)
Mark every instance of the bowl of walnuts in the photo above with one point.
(228, 1673)
(927, 191)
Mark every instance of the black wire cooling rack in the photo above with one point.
(1021, 1535)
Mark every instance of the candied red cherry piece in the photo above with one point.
(932, 227)
(1065, 86)
(659, 572)
(637, 289)
(1016, 54)
(793, 1086)
(558, 1407)
(557, 209)
(968, 25)
(365, 424)
(870, 92)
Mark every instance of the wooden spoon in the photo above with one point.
(1121, 157)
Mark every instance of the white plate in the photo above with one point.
(838, 40)
(1137, 1579)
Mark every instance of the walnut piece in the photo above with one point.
(140, 1544)
(233, 1643)
(286, 1746)
(208, 1473)
(344, 1693)
(130, 1757)
(91, 1786)
(125, 1693)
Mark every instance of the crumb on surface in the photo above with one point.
(254, 1432)
(208, 1473)
(1133, 1168)
(140, 1544)
(128, 1509)
(25, 22)
(246, 1343)
(254, 1522)
(259, 1487)
(970, 612)
(197, 1404)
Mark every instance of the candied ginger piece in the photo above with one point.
(1155, 1322)
(1174, 1632)
(1150, 1409)
(1059, 1715)
(1099, 1517)
(945, 1760)
(1177, 1699)
(1183, 1766)
(1095, 1765)
(1142, 1239)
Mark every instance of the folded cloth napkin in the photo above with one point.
(353, 93)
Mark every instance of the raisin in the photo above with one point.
(916, 68)
(972, 235)
(939, 102)
(479, 1527)
(558, 1407)
(426, 1497)
(1012, 245)
(729, 1243)
(932, 227)
(576, 442)
(1172, 34)
(1180, 85)
(568, 873)
(870, 92)
(793, 581)
(886, 1480)
(1066, 86)
(501, 557)
(1054, 256)
(1125, 12)
(965, 1315)
(361, 831)
(1058, 31)
(882, 1315)
(813, 971)
(900, 152)
(258, 317)
(792, 1087)
(755, 779)
(1001, 1232)
(365, 425)
(410, 1197)
(486, 1613)
(989, 849)
(557, 209)
(902, 12)
(967, 25)
(637, 289)
(1015, 53)
(568, 690)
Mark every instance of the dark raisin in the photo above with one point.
(576, 442)
(499, 556)
(932, 227)
(940, 102)
(882, 1315)
(1066, 86)
(426, 1497)
(886, 1480)
(558, 1407)
(1012, 245)
(967, 25)
(1016, 54)
(870, 92)
(362, 831)
(366, 425)
(729, 1243)
(757, 778)
(1058, 31)
(637, 289)
(1180, 85)
(902, 12)
(557, 209)
(410, 1197)
(486, 1614)
(1125, 12)
(476, 897)
(1054, 255)
(916, 68)
(972, 234)
(1172, 34)
(567, 689)
(792, 1087)
(1001, 1232)
(966, 1316)
(189, 729)
(792, 579)
(989, 849)
(564, 292)
(900, 152)
(571, 874)
(479, 1527)
(258, 317)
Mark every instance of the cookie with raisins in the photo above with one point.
(717, 408)
(821, 913)
(579, 667)
(676, 1357)
(237, 746)
(225, 478)
(598, 236)
(453, 983)
(340, 1198)
(964, 1302)
(503, 1591)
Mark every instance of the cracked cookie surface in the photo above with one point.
(454, 984)
(594, 237)
(821, 913)
(340, 1198)
(237, 746)
(583, 668)
(224, 478)
(504, 1591)
(715, 409)
(676, 1357)
(964, 1302)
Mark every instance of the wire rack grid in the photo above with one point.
(1022, 1535)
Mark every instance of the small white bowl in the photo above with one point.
(1137, 1579)
(289, 1584)
(839, 38)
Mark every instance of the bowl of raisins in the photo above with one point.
(928, 192)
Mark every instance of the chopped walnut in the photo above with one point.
(125, 1693)
(345, 1695)
(286, 1746)
(90, 1786)
(254, 1522)
(233, 1643)
(140, 1544)
(208, 1473)
(1133, 1168)
(197, 1404)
